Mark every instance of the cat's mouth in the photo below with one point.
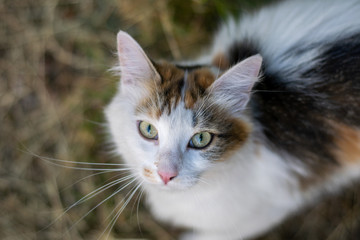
(152, 177)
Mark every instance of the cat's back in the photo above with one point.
(307, 103)
(290, 35)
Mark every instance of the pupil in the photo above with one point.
(201, 137)
(149, 128)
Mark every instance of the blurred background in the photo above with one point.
(54, 85)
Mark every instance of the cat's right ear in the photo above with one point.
(137, 72)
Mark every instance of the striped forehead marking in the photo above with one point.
(197, 83)
(178, 84)
(186, 73)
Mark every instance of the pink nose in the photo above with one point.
(167, 176)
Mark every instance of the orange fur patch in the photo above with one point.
(221, 61)
(348, 144)
(347, 152)
(239, 133)
(149, 174)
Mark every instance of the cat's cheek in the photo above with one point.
(148, 167)
(196, 162)
(150, 176)
(147, 146)
(193, 167)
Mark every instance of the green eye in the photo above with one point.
(200, 140)
(148, 130)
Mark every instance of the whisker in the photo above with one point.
(270, 91)
(120, 202)
(73, 162)
(82, 179)
(113, 211)
(137, 209)
(132, 209)
(120, 174)
(101, 124)
(105, 187)
(88, 168)
(81, 163)
(92, 169)
(87, 197)
(106, 199)
(121, 210)
(203, 181)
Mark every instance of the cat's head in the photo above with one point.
(171, 124)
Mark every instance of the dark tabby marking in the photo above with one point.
(190, 67)
(221, 61)
(231, 133)
(197, 83)
(171, 84)
(298, 121)
(240, 51)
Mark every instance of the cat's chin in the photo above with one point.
(173, 186)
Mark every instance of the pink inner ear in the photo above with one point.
(240, 77)
(134, 64)
(251, 66)
(232, 90)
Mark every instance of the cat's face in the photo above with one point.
(172, 124)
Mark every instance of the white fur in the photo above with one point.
(295, 23)
(241, 197)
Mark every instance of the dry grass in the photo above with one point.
(54, 57)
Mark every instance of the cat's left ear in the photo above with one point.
(137, 71)
(233, 89)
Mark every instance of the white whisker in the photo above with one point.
(121, 210)
(89, 196)
(89, 169)
(85, 168)
(73, 162)
(81, 163)
(137, 209)
(106, 199)
(121, 174)
(121, 201)
(82, 179)
(105, 187)
(203, 181)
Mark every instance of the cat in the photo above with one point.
(264, 123)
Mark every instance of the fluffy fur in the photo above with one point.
(279, 140)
